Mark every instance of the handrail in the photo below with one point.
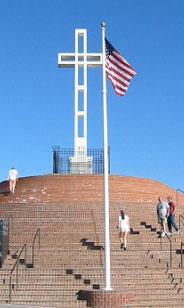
(182, 245)
(33, 244)
(180, 217)
(18, 258)
(170, 250)
(160, 241)
(178, 190)
(16, 265)
(10, 223)
(6, 235)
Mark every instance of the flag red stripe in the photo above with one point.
(118, 80)
(119, 91)
(120, 59)
(119, 67)
(116, 84)
(119, 73)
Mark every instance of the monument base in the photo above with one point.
(105, 299)
(81, 165)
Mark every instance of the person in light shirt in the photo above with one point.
(162, 214)
(124, 228)
(12, 178)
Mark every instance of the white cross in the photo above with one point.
(80, 61)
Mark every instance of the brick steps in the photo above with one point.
(65, 263)
(44, 302)
(157, 304)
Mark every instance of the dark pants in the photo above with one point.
(171, 222)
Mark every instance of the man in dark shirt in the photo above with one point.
(171, 217)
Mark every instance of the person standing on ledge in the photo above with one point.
(12, 178)
(171, 217)
(124, 228)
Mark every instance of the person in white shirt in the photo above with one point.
(124, 228)
(12, 178)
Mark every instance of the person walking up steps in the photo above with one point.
(124, 228)
(12, 178)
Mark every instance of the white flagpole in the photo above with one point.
(106, 171)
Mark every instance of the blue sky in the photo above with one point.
(145, 126)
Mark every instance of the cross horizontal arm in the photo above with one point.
(70, 59)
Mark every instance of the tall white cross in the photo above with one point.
(80, 163)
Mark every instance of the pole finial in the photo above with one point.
(103, 24)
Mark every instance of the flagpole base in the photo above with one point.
(105, 298)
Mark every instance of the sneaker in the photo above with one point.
(178, 232)
(122, 245)
(125, 248)
(163, 234)
(169, 233)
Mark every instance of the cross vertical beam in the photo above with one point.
(80, 115)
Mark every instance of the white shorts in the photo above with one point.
(124, 229)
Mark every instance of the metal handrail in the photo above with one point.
(170, 250)
(16, 265)
(180, 217)
(33, 244)
(182, 245)
(10, 223)
(178, 190)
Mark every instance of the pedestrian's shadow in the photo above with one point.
(90, 245)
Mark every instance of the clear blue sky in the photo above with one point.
(37, 98)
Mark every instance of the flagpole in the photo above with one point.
(106, 171)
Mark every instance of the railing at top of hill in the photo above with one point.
(71, 161)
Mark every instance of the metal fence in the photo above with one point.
(68, 161)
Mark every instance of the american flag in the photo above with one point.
(117, 69)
